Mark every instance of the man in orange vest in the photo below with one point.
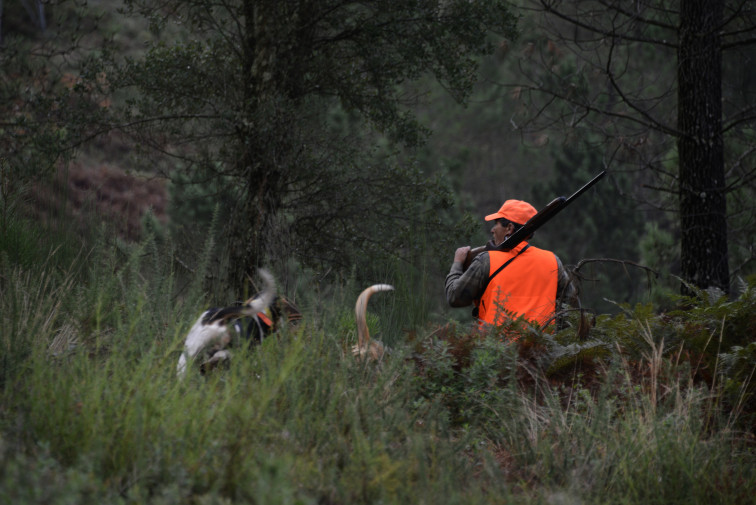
(523, 282)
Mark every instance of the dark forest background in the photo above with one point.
(368, 140)
(154, 154)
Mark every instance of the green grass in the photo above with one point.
(91, 411)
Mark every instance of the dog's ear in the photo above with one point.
(287, 308)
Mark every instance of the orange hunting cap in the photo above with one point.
(517, 211)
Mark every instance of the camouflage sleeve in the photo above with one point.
(566, 290)
(464, 287)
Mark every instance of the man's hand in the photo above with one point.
(460, 255)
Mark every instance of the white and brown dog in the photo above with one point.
(217, 328)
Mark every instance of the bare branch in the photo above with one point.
(548, 6)
(584, 262)
(631, 103)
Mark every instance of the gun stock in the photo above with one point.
(472, 253)
(535, 222)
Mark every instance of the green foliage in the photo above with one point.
(91, 410)
(640, 407)
(193, 203)
(604, 223)
(660, 252)
(740, 201)
(468, 375)
(105, 417)
(720, 331)
(307, 123)
(31, 303)
(46, 108)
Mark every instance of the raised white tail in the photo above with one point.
(264, 299)
(366, 348)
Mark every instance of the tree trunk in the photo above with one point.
(703, 206)
(246, 228)
(256, 160)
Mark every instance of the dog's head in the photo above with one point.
(284, 309)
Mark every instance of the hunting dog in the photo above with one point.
(217, 328)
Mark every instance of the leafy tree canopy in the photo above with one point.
(302, 106)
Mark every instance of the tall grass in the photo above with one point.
(625, 447)
(91, 411)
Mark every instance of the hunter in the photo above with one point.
(522, 282)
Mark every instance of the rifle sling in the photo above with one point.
(502, 267)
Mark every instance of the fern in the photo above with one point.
(569, 357)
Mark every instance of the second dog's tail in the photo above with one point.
(360, 312)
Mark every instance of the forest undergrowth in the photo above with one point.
(640, 407)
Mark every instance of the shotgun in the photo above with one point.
(535, 222)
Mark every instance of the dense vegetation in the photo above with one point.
(642, 396)
(345, 133)
(635, 408)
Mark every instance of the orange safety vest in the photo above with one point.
(527, 287)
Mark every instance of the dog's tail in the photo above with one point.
(360, 312)
(264, 299)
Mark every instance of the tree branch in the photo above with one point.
(606, 33)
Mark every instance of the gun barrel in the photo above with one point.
(585, 188)
(535, 222)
